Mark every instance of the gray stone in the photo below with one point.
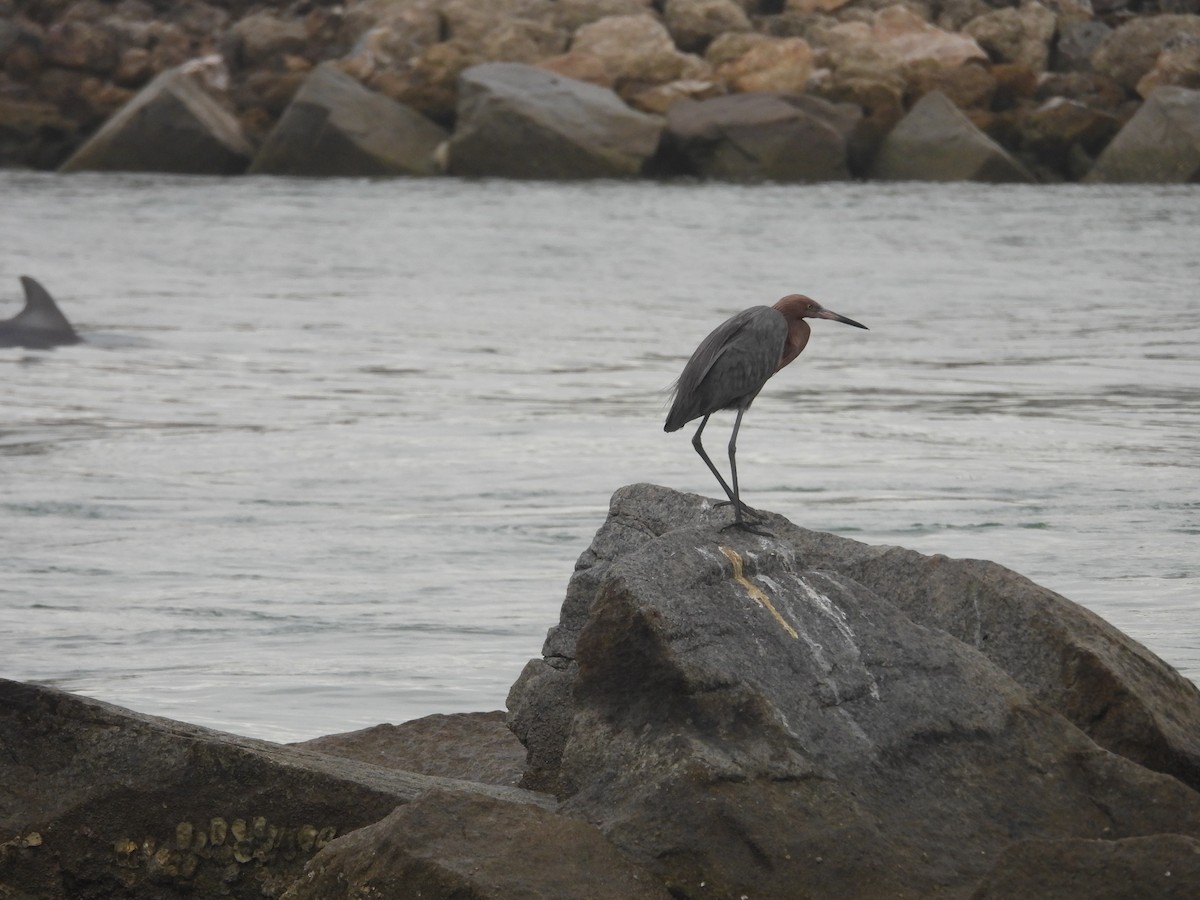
(1164, 866)
(518, 121)
(450, 845)
(335, 126)
(171, 125)
(937, 142)
(1159, 145)
(1076, 43)
(741, 713)
(694, 23)
(762, 136)
(470, 746)
(97, 801)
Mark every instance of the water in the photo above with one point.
(333, 447)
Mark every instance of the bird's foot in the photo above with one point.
(746, 510)
(751, 527)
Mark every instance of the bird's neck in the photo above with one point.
(797, 337)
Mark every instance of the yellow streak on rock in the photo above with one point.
(755, 592)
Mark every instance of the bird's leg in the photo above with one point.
(738, 508)
(708, 462)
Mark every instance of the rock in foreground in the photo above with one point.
(744, 717)
(99, 802)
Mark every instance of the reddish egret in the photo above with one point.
(731, 366)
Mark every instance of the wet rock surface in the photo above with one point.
(67, 68)
(716, 714)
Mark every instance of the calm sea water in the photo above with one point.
(333, 447)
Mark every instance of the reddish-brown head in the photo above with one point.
(796, 308)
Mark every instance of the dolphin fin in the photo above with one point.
(42, 315)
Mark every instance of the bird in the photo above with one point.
(732, 365)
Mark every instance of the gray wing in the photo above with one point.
(730, 366)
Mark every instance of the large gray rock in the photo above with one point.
(335, 126)
(743, 716)
(1160, 144)
(172, 125)
(452, 845)
(761, 136)
(518, 121)
(1164, 866)
(937, 142)
(471, 746)
(97, 801)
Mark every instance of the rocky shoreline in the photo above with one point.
(715, 715)
(780, 90)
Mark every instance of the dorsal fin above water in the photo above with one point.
(41, 320)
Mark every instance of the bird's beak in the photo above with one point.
(830, 314)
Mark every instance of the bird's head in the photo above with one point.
(797, 306)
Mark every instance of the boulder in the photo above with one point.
(1076, 43)
(335, 126)
(573, 14)
(1089, 88)
(519, 121)
(895, 39)
(659, 98)
(429, 82)
(451, 845)
(637, 51)
(97, 801)
(391, 30)
(510, 31)
(1065, 135)
(693, 24)
(782, 65)
(171, 125)
(937, 142)
(1159, 145)
(75, 44)
(969, 87)
(1178, 64)
(1132, 50)
(1020, 35)
(34, 134)
(471, 746)
(761, 137)
(742, 715)
(808, 7)
(260, 38)
(1165, 867)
